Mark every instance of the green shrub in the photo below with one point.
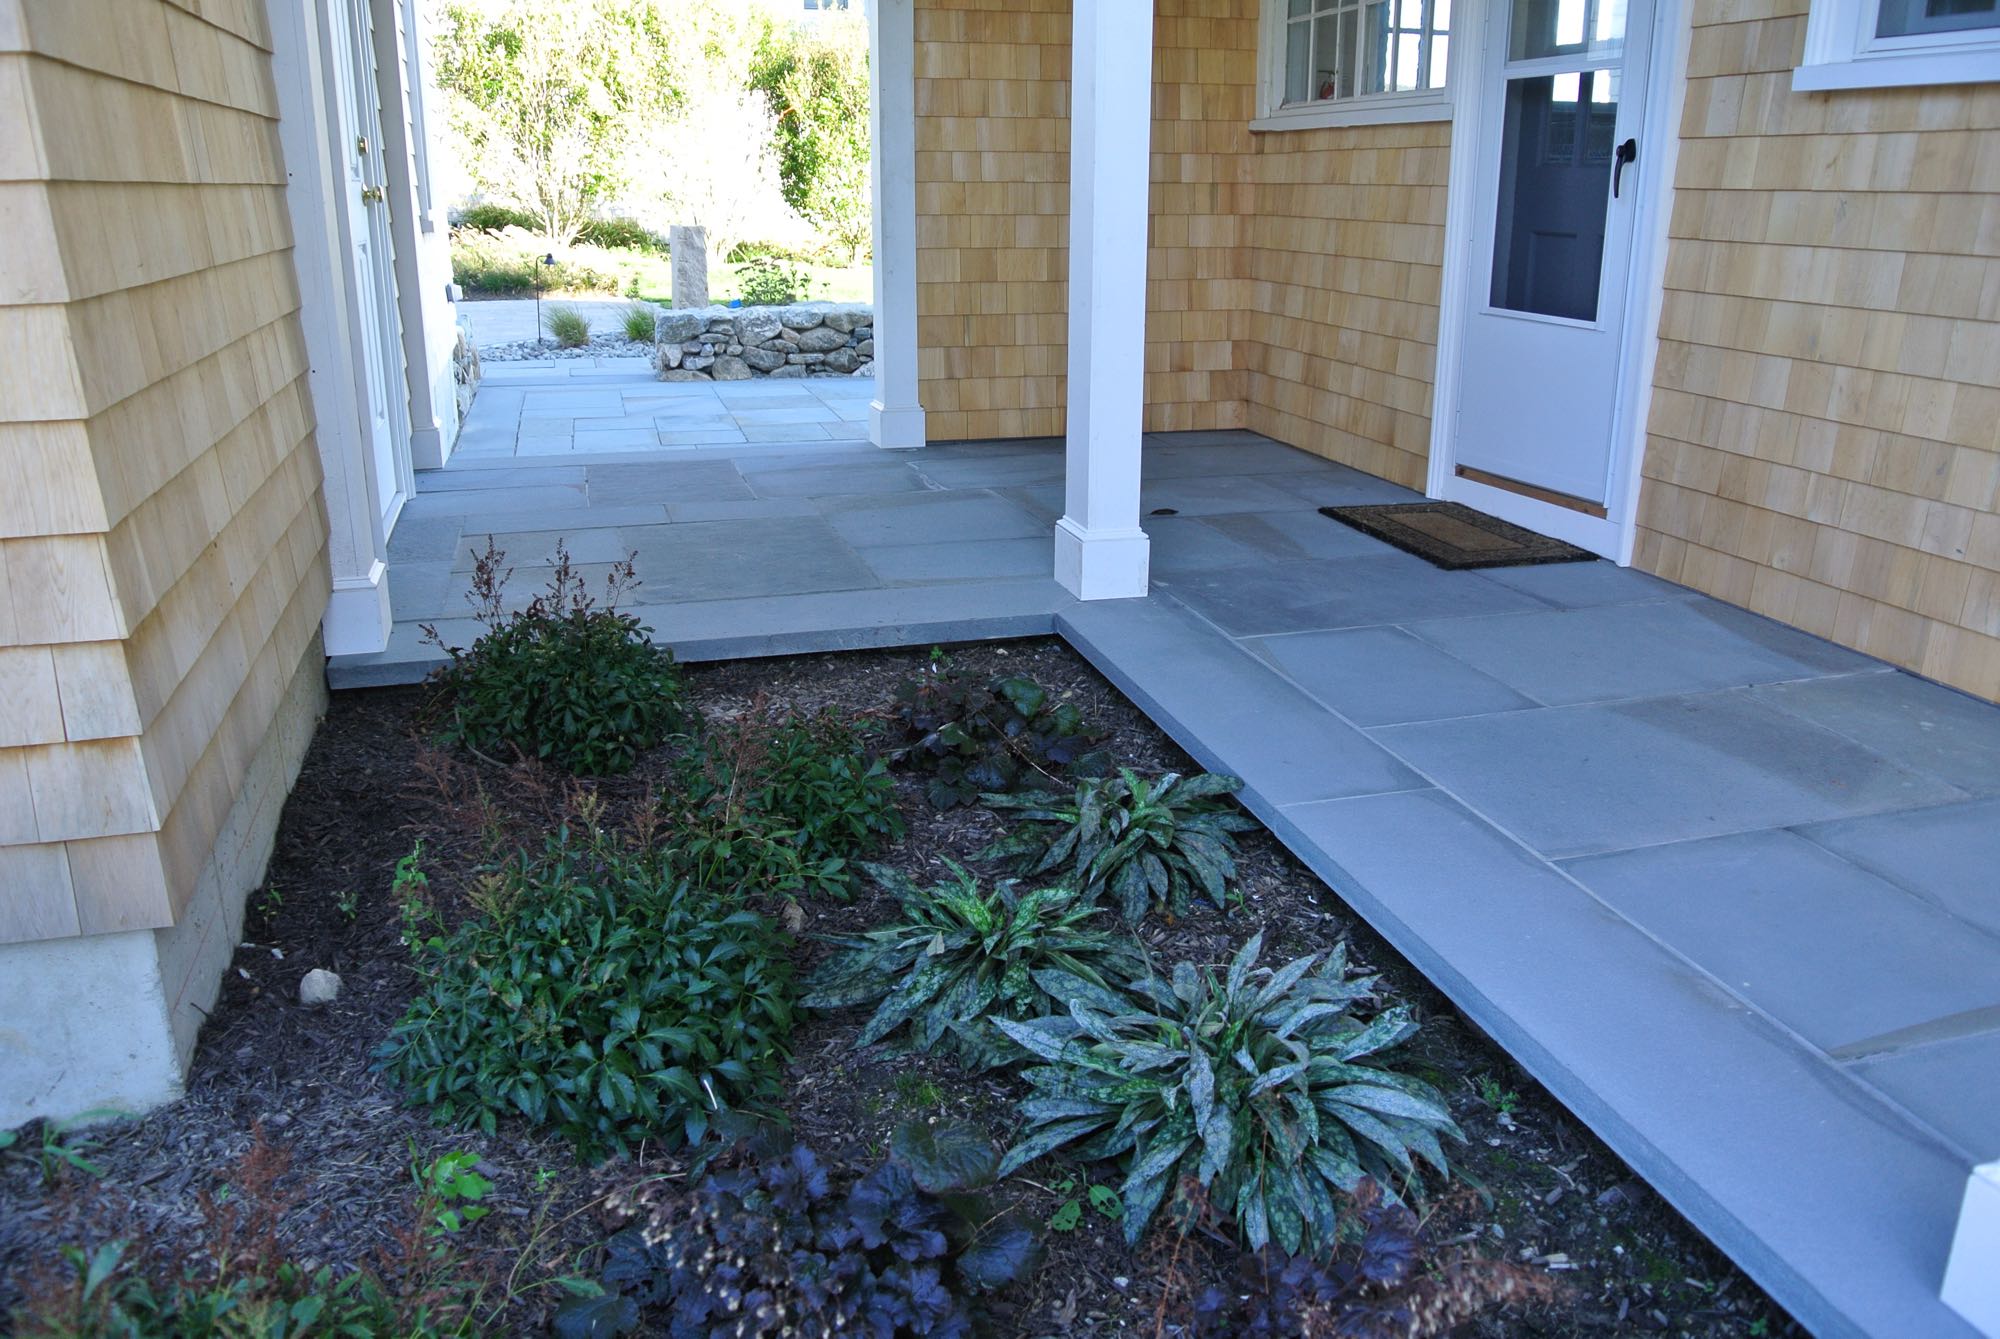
(766, 282)
(961, 955)
(745, 854)
(569, 327)
(987, 737)
(567, 680)
(622, 235)
(813, 776)
(1146, 843)
(510, 262)
(490, 217)
(597, 994)
(1259, 1084)
(902, 1252)
(640, 322)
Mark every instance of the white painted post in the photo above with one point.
(1101, 553)
(895, 418)
(1972, 1278)
(357, 611)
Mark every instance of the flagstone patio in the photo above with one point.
(1726, 889)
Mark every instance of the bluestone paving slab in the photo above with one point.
(1342, 487)
(845, 479)
(668, 481)
(1171, 457)
(807, 410)
(1582, 780)
(720, 560)
(1190, 544)
(968, 560)
(467, 501)
(675, 438)
(1948, 854)
(1953, 1084)
(755, 508)
(998, 469)
(929, 518)
(1213, 495)
(1384, 676)
(785, 432)
(1580, 585)
(424, 590)
(1224, 697)
(528, 476)
(1338, 593)
(1824, 1196)
(1861, 956)
(1920, 725)
(603, 514)
(1608, 652)
(616, 439)
(767, 456)
(537, 548)
(419, 539)
(1289, 536)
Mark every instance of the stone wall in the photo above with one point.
(807, 339)
(465, 371)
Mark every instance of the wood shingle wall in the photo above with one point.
(1291, 279)
(1825, 436)
(162, 540)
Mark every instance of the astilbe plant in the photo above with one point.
(772, 1246)
(1270, 1088)
(597, 993)
(808, 781)
(970, 736)
(566, 679)
(1146, 843)
(1383, 1279)
(961, 955)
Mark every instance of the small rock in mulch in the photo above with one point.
(319, 986)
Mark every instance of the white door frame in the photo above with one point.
(1614, 534)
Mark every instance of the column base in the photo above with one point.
(357, 615)
(1971, 1286)
(1101, 564)
(896, 429)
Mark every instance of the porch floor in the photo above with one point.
(1726, 889)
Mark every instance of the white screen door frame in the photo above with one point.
(1650, 180)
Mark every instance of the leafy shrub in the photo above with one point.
(986, 737)
(962, 955)
(767, 282)
(569, 327)
(566, 679)
(622, 235)
(812, 775)
(770, 1247)
(640, 322)
(1382, 1279)
(597, 994)
(1145, 842)
(509, 261)
(491, 217)
(745, 854)
(243, 1285)
(1258, 1085)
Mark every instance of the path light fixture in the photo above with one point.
(548, 259)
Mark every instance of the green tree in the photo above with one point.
(816, 78)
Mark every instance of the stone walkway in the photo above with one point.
(1726, 889)
(596, 406)
(512, 320)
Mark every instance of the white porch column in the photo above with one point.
(895, 419)
(357, 611)
(1101, 552)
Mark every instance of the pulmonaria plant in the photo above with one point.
(1269, 1088)
(1147, 843)
(972, 737)
(961, 955)
(772, 1246)
(565, 679)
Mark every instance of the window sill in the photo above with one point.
(1359, 112)
(1900, 70)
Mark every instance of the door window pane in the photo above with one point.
(1555, 188)
(1903, 18)
(1542, 28)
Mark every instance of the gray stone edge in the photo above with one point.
(1815, 1286)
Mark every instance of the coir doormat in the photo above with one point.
(1454, 536)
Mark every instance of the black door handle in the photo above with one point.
(1628, 152)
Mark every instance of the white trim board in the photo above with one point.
(1615, 535)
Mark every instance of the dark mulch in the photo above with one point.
(1548, 1193)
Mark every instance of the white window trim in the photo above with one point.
(1842, 51)
(1369, 109)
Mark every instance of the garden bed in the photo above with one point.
(1542, 1191)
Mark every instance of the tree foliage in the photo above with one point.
(817, 81)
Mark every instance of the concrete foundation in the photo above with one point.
(109, 1021)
